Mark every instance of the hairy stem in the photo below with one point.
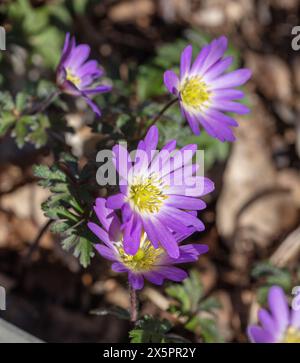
(40, 107)
(162, 111)
(133, 305)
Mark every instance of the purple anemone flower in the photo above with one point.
(205, 93)
(77, 76)
(148, 263)
(280, 325)
(159, 193)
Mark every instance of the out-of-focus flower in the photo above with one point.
(280, 325)
(205, 93)
(159, 193)
(148, 263)
(77, 76)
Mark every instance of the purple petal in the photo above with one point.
(122, 161)
(151, 139)
(150, 231)
(115, 201)
(104, 214)
(215, 114)
(258, 335)
(200, 59)
(106, 252)
(100, 233)
(232, 79)
(191, 119)
(119, 267)
(136, 281)
(185, 61)
(92, 105)
(267, 321)
(215, 128)
(188, 253)
(279, 307)
(132, 235)
(78, 56)
(173, 273)
(217, 50)
(98, 89)
(166, 239)
(171, 81)
(217, 69)
(295, 317)
(230, 106)
(183, 202)
(227, 94)
(154, 277)
(183, 217)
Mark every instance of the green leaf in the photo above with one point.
(188, 294)
(7, 120)
(150, 330)
(209, 330)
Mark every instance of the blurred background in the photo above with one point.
(252, 219)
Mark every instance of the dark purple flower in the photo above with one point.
(280, 325)
(77, 76)
(204, 92)
(148, 263)
(159, 193)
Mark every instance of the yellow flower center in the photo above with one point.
(72, 78)
(146, 194)
(292, 335)
(194, 92)
(143, 260)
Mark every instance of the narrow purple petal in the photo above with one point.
(258, 335)
(217, 69)
(191, 119)
(154, 277)
(232, 79)
(119, 267)
(103, 213)
(183, 202)
(92, 105)
(188, 253)
(78, 56)
(151, 139)
(132, 235)
(173, 273)
(230, 106)
(151, 232)
(171, 81)
(115, 201)
(200, 59)
(185, 61)
(218, 48)
(106, 252)
(98, 89)
(166, 239)
(100, 233)
(279, 307)
(217, 129)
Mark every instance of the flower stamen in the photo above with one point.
(143, 260)
(72, 78)
(292, 335)
(194, 92)
(146, 194)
